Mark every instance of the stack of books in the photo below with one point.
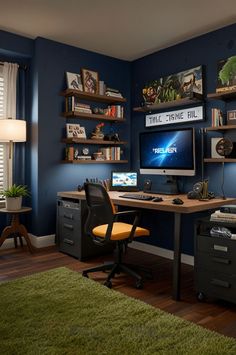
(219, 216)
(73, 104)
(113, 92)
(111, 153)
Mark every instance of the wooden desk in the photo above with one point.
(189, 206)
(16, 228)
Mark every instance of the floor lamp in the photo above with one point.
(12, 130)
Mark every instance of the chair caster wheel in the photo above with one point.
(139, 284)
(108, 284)
(200, 296)
(84, 274)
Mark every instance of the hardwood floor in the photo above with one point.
(215, 315)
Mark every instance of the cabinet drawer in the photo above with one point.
(216, 246)
(212, 262)
(215, 284)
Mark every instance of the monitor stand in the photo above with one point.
(170, 187)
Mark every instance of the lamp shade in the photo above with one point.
(12, 130)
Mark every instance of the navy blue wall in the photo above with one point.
(205, 50)
(52, 60)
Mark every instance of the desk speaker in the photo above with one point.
(147, 185)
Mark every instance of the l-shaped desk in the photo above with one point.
(189, 206)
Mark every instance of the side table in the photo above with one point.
(16, 229)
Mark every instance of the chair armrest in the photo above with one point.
(137, 215)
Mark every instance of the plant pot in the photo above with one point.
(13, 203)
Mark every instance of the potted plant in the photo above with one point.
(14, 196)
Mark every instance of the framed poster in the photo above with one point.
(174, 87)
(178, 116)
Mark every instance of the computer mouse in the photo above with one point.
(177, 201)
(157, 199)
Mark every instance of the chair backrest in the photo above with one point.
(100, 207)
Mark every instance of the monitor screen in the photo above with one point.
(168, 152)
(125, 180)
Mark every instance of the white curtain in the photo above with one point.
(9, 75)
(10, 71)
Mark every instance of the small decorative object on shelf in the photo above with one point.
(98, 156)
(98, 134)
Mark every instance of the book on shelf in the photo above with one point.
(114, 94)
(115, 111)
(101, 87)
(69, 153)
(111, 153)
(72, 103)
(112, 90)
(216, 117)
(83, 157)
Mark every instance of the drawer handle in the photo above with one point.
(68, 241)
(68, 216)
(68, 226)
(221, 261)
(220, 248)
(220, 283)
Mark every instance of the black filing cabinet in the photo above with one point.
(215, 262)
(71, 237)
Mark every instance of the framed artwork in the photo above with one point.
(90, 81)
(231, 117)
(174, 87)
(75, 131)
(226, 74)
(74, 81)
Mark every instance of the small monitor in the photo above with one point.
(124, 181)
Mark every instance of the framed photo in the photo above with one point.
(231, 117)
(90, 81)
(74, 81)
(75, 131)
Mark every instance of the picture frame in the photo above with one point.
(75, 131)
(74, 81)
(231, 117)
(90, 81)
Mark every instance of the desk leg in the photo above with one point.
(177, 257)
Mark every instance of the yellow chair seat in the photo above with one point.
(120, 231)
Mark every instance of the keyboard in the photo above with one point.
(138, 197)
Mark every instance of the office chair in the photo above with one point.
(103, 227)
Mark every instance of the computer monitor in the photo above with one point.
(124, 181)
(168, 152)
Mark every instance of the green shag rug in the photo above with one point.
(60, 312)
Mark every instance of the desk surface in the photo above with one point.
(189, 206)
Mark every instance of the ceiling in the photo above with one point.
(124, 29)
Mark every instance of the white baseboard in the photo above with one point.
(165, 253)
(43, 241)
(37, 242)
